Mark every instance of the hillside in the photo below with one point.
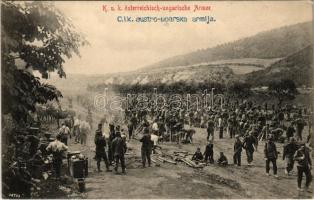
(276, 54)
(276, 43)
(297, 67)
(172, 75)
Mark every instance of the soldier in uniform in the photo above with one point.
(198, 156)
(288, 153)
(209, 152)
(119, 148)
(302, 156)
(222, 160)
(100, 143)
(271, 155)
(237, 151)
(112, 135)
(210, 129)
(146, 149)
(249, 145)
(56, 148)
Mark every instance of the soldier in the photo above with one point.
(237, 147)
(56, 148)
(64, 131)
(119, 148)
(231, 125)
(210, 129)
(155, 127)
(134, 121)
(288, 153)
(146, 148)
(302, 156)
(76, 129)
(221, 127)
(209, 152)
(112, 135)
(84, 130)
(222, 160)
(249, 145)
(300, 126)
(271, 155)
(130, 130)
(290, 131)
(100, 142)
(198, 156)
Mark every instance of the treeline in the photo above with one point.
(281, 89)
(179, 87)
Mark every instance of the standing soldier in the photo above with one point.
(300, 126)
(209, 152)
(155, 127)
(84, 130)
(146, 149)
(210, 129)
(119, 148)
(221, 127)
(271, 155)
(76, 129)
(231, 125)
(64, 131)
(249, 145)
(237, 147)
(288, 153)
(290, 131)
(100, 142)
(89, 117)
(130, 130)
(112, 135)
(302, 156)
(56, 148)
(134, 121)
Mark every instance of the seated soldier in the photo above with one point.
(198, 156)
(222, 160)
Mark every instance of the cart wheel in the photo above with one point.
(81, 185)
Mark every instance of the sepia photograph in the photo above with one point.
(157, 99)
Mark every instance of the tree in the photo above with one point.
(35, 37)
(283, 90)
(239, 90)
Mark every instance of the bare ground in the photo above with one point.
(180, 181)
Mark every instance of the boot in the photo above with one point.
(98, 167)
(108, 170)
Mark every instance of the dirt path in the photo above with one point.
(180, 181)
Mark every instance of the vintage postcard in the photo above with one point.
(156, 99)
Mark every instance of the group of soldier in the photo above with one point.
(247, 123)
(117, 147)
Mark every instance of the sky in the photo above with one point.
(119, 47)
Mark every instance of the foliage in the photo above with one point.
(180, 87)
(239, 90)
(283, 89)
(35, 36)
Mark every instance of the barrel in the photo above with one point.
(79, 168)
